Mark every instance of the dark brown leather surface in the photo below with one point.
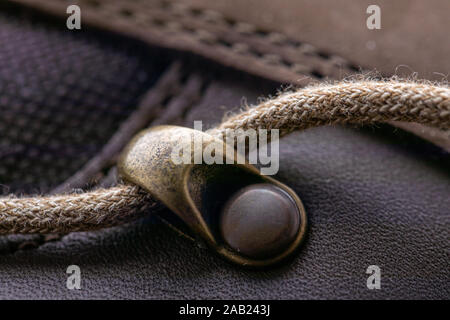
(373, 196)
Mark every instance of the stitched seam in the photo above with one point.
(208, 38)
(171, 24)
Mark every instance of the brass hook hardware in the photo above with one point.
(248, 218)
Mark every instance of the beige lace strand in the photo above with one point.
(363, 102)
(92, 210)
(353, 102)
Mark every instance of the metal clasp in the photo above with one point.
(248, 218)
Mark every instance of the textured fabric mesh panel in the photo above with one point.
(62, 96)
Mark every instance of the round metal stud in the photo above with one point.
(260, 221)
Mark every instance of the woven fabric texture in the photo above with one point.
(55, 88)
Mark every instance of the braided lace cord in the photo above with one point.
(359, 103)
(92, 210)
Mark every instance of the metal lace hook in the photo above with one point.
(248, 218)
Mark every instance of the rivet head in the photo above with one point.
(260, 221)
